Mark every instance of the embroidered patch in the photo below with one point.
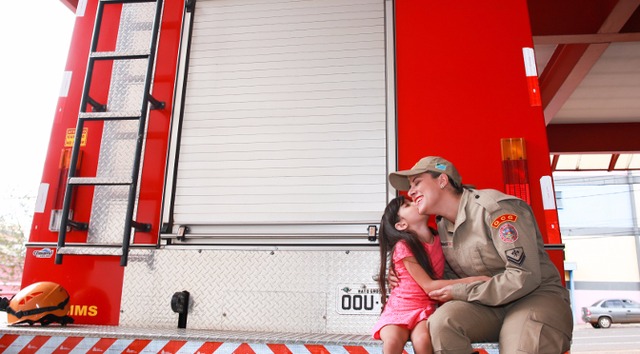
(441, 166)
(508, 233)
(504, 218)
(515, 255)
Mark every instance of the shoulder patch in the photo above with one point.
(508, 233)
(515, 255)
(503, 218)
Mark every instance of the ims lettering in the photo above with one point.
(83, 310)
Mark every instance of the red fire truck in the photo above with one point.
(230, 157)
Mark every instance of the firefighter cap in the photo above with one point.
(400, 179)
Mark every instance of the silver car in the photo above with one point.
(605, 312)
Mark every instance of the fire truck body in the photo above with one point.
(264, 132)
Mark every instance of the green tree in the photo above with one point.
(12, 253)
(15, 215)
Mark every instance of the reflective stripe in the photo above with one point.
(10, 343)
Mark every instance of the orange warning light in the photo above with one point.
(514, 166)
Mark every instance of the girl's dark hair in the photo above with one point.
(389, 237)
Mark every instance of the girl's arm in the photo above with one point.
(426, 283)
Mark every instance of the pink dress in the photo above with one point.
(408, 304)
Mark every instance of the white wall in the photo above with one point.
(597, 219)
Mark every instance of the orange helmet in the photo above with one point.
(42, 302)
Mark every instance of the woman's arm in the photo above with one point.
(426, 283)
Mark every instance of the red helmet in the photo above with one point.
(43, 302)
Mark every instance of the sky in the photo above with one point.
(35, 38)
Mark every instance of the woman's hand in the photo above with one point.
(392, 279)
(445, 293)
(442, 295)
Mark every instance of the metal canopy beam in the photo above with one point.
(594, 138)
(71, 4)
(587, 38)
(571, 63)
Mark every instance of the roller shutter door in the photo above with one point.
(285, 118)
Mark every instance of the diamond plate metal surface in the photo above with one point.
(118, 143)
(249, 290)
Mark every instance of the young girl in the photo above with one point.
(417, 260)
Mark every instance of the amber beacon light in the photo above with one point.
(514, 167)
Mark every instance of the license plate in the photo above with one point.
(358, 299)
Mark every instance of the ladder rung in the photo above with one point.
(100, 181)
(119, 55)
(91, 249)
(132, 115)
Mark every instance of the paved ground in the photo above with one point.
(619, 339)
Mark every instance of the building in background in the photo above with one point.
(598, 213)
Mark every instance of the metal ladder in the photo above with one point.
(110, 115)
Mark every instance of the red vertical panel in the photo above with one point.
(152, 178)
(95, 282)
(462, 86)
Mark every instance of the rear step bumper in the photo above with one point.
(85, 338)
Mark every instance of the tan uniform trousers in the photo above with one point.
(523, 326)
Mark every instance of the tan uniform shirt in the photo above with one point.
(495, 234)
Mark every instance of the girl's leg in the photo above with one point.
(421, 339)
(393, 339)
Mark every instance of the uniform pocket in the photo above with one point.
(538, 337)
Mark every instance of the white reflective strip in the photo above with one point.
(548, 196)
(227, 348)
(82, 6)
(50, 345)
(155, 345)
(41, 199)
(337, 349)
(119, 346)
(260, 348)
(378, 350)
(190, 347)
(529, 62)
(85, 345)
(298, 349)
(19, 344)
(66, 83)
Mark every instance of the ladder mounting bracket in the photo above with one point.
(141, 227)
(190, 5)
(155, 104)
(80, 226)
(97, 106)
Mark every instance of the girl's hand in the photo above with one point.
(442, 295)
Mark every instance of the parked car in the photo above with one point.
(605, 312)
